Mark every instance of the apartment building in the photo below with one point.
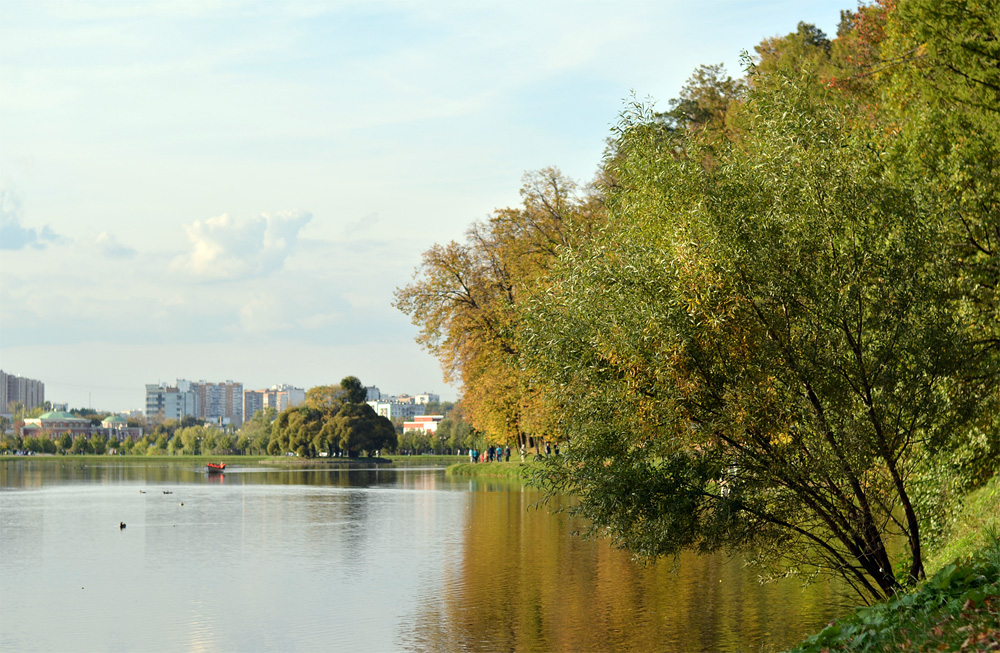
(220, 402)
(165, 402)
(397, 409)
(20, 389)
(212, 402)
(278, 397)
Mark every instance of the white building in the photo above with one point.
(428, 398)
(394, 409)
(278, 397)
(425, 423)
(171, 402)
(212, 402)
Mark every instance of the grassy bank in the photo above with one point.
(957, 609)
(502, 470)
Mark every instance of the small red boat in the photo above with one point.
(216, 468)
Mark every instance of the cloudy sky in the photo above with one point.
(230, 189)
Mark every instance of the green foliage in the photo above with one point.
(415, 441)
(957, 609)
(65, 442)
(334, 420)
(704, 101)
(357, 428)
(780, 332)
(141, 446)
(81, 445)
(498, 469)
(751, 353)
(971, 525)
(255, 433)
(354, 391)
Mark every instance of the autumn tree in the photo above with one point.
(755, 355)
(465, 297)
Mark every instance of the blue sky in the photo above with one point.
(227, 189)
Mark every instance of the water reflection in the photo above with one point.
(526, 584)
(375, 559)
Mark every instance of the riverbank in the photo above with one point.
(500, 470)
(957, 609)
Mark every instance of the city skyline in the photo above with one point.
(234, 190)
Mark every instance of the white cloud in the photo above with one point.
(109, 247)
(13, 236)
(272, 312)
(224, 248)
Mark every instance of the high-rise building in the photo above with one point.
(171, 402)
(220, 402)
(278, 397)
(15, 388)
(212, 402)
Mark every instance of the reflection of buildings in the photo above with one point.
(56, 423)
(14, 388)
(278, 397)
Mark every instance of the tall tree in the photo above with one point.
(357, 427)
(465, 297)
(753, 354)
(334, 418)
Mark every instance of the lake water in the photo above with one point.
(401, 559)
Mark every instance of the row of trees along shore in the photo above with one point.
(770, 325)
(334, 421)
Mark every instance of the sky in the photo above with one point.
(232, 190)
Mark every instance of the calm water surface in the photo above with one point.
(404, 559)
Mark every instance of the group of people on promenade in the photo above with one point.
(502, 454)
(491, 455)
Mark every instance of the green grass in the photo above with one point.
(970, 531)
(958, 609)
(504, 470)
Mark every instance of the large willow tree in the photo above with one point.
(758, 350)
